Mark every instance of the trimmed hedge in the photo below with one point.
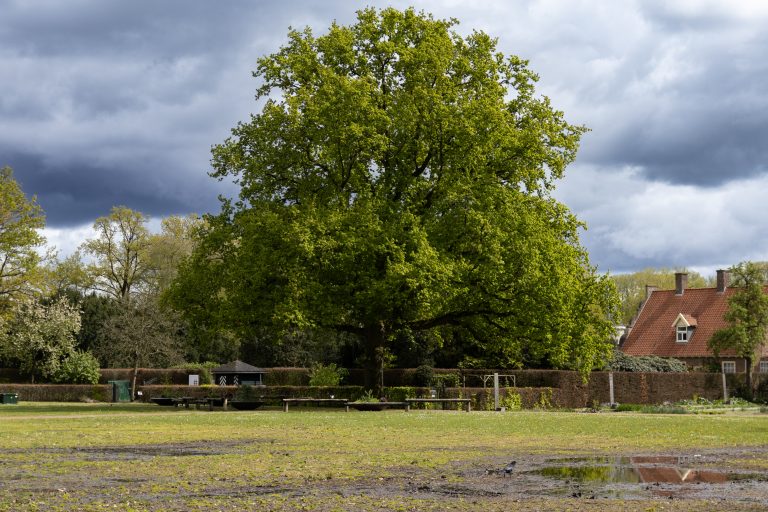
(59, 392)
(148, 376)
(268, 393)
(287, 377)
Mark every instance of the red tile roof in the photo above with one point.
(653, 332)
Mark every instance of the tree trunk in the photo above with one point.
(748, 362)
(133, 379)
(375, 347)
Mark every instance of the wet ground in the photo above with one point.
(77, 478)
(701, 476)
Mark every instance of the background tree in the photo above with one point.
(68, 275)
(398, 179)
(631, 287)
(140, 334)
(167, 249)
(20, 220)
(119, 250)
(747, 316)
(39, 337)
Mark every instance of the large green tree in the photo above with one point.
(21, 218)
(398, 179)
(747, 316)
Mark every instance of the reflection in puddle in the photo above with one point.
(636, 470)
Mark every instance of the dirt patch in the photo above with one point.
(152, 476)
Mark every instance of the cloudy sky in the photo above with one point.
(107, 102)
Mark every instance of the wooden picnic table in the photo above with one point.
(316, 401)
(409, 401)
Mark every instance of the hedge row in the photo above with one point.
(59, 392)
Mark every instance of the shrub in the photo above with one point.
(512, 401)
(423, 376)
(625, 363)
(545, 399)
(399, 393)
(322, 375)
(628, 408)
(81, 367)
(447, 380)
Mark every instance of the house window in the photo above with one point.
(729, 366)
(682, 334)
(763, 367)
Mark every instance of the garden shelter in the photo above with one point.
(238, 373)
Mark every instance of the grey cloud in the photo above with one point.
(702, 127)
(108, 102)
(75, 192)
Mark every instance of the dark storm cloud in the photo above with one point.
(117, 103)
(75, 192)
(690, 105)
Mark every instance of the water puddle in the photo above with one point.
(637, 470)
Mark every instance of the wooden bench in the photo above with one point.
(409, 401)
(316, 401)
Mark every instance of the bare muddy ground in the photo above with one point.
(193, 476)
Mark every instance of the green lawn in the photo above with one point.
(144, 457)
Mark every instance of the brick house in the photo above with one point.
(678, 323)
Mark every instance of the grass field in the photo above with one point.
(143, 457)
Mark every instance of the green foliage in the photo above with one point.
(119, 251)
(79, 368)
(625, 363)
(487, 399)
(545, 399)
(424, 376)
(628, 408)
(511, 400)
(747, 316)
(40, 336)
(399, 393)
(322, 375)
(140, 334)
(167, 249)
(368, 397)
(21, 218)
(245, 393)
(398, 178)
(447, 380)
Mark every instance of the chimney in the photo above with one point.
(681, 282)
(723, 280)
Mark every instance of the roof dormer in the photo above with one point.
(684, 326)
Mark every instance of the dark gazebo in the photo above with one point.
(237, 373)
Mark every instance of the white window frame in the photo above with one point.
(763, 367)
(729, 366)
(682, 334)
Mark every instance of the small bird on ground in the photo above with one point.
(509, 468)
